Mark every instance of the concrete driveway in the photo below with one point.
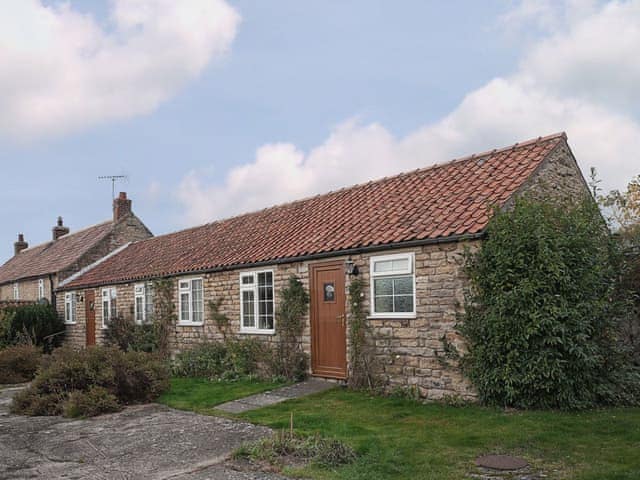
(141, 442)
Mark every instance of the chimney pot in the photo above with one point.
(121, 207)
(59, 230)
(20, 244)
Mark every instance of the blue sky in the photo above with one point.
(282, 99)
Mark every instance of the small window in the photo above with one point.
(257, 302)
(40, 288)
(70, 307)
(393, 286)
(143, 302)
(109, 310)
(191, 301)
(16, 291)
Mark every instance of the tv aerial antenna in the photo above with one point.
(114, 179)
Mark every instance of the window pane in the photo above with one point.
(248, 313)
(247, 279)
(148, 302)
(139, 309)
(105, 312)
(184, 307)
(197, 301)
(382, 266)
(383, 286)
(403, 303)
(384, 304)
(403, 286)
(265, 301)
(401, 264)
(265, 279)
(266, 322)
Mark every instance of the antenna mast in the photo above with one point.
(113, 179)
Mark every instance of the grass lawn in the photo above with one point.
(403, 439)
(202, 395)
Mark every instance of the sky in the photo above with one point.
(218, 107)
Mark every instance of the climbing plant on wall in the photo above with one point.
(289, 359)
(361, 342)
(164, 313)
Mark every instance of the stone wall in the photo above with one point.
(558, 178)
(410, 351)
(28, 289)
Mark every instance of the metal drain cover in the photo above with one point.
(501, 462)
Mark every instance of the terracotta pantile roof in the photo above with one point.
(431, 203)
(53, 256)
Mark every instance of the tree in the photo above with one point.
(541, 315)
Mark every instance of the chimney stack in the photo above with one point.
(59, 230)
(20, 244)
(121, 207)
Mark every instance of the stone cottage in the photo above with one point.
(33, 274)
(403, 235)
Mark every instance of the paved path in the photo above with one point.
(302, 389)
(141, 442)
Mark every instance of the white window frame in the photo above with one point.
(140, 291)
(70, 308)
(189, 290)
(256, 302)
(16, 291)
(40, 289)
(410, 256)
(111, 296)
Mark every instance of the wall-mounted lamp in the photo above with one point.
(81, 298)
(351, 268)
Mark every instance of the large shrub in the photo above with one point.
(19, 363)
(127, 335)
(229, 359)
(541, 316)
(35, 324)
(86, 382)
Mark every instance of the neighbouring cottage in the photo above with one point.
(403, 235)
(33, 274)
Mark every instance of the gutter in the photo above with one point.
(279, 261)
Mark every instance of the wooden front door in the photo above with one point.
(328, 320)
(90, 316)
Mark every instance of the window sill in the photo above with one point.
(257, 332)
(392, 316)
(190, 324)
(70, 323)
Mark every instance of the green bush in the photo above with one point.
(131, 377)
(19, 363)
(31, 324)
(541, 316)
(93, 402)
(231, 359)
(127, 335)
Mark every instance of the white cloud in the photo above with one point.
(570, 80)
(60, 70)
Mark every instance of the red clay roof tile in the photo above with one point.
(53, 256)
(446, 199)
